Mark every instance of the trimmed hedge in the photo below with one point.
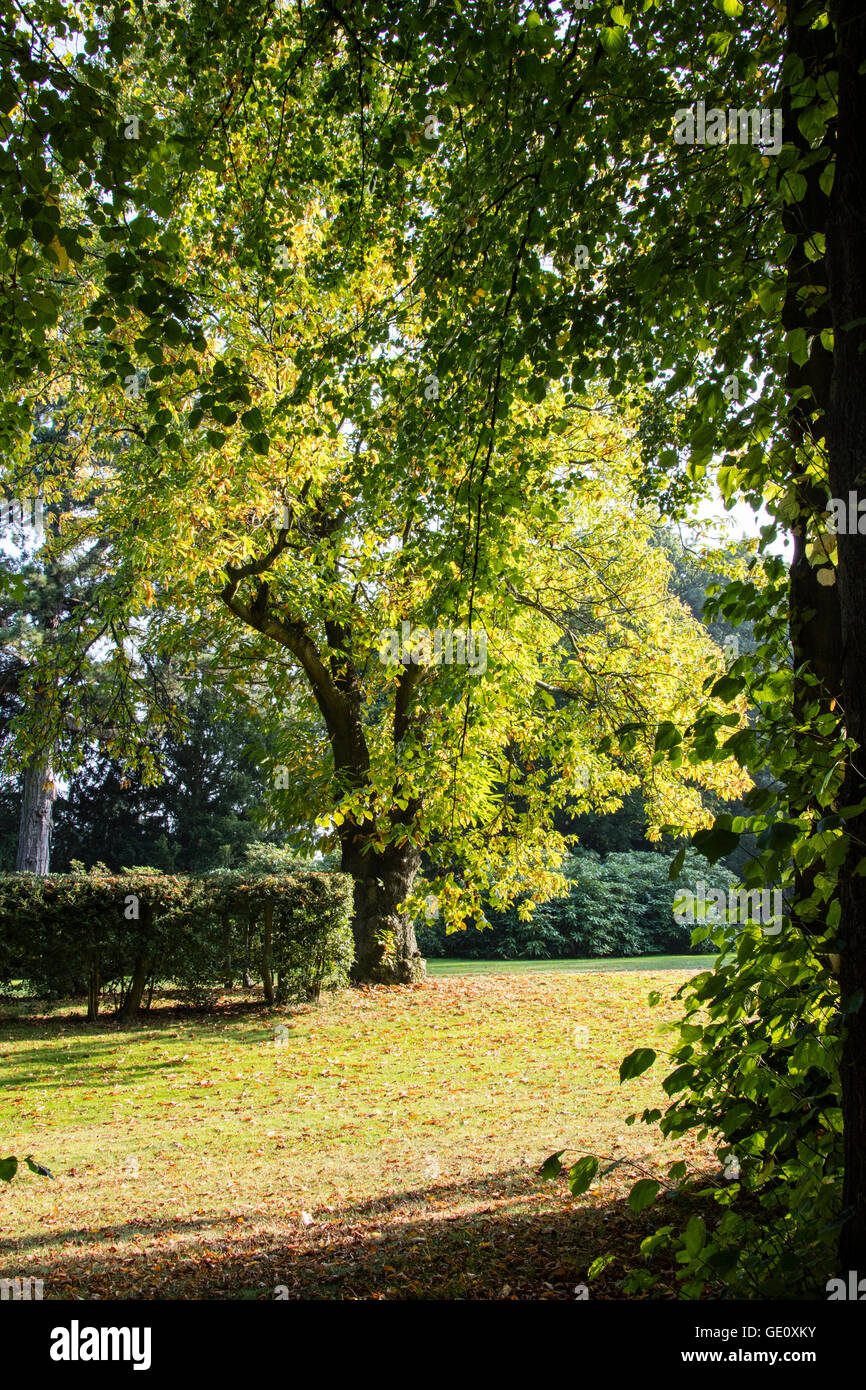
(70, 933)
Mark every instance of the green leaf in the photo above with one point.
(580, 1176)
(714, 843)
(38, 1167)
(794, 187)
(695, 1236)
(679, 1078)
(551, 1167)
(612, 40)
(636, 1063)
(727, 687)
(667, 736)
(797, 345)
(643, 1193)
(676, 866)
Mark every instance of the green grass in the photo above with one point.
(445, 966)
(388, 1149)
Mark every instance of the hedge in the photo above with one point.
(70, 933)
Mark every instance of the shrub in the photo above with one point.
(68, 932)
(620, 905)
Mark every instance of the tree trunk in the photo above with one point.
(813, 609)
(268, 952)
(228, 970)
(142, 968)
(249, 982)
(93, 986)
(386, 952)
(140, 976)
(846, 439)
(37, 805)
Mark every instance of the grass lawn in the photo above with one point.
(387, 1147)
(438, 968)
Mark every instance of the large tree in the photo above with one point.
(511, 179)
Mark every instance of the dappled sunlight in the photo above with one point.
(360, 1152)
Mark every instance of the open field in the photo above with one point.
(439, 968)
(386, 1147)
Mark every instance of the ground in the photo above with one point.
(384, 1144)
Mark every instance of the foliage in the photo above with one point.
(757, 1066)
(759, 1044)
(306, 399)
(202, 809)
(62, 929)
(9, 1167)
(451, 250)
(620, 905)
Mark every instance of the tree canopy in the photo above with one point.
(377, 317)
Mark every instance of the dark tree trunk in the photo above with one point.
(93, 987)
(228, 972)
(813, 608)
(37, 807)
(141, 972)
(846, 261)
(386, 951)
(268, 952)
(249, 982)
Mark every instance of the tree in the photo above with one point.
(66, 673)
(367, 541)
(204, 811)
(511, 182)
(846, 438)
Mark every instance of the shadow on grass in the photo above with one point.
(168, 1008)
(53, 1035)
(522, 1239)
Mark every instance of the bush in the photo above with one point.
(621, 905)
(67, 933)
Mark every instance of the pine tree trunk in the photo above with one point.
(37, 806)
(846, 262)
(386, 951)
